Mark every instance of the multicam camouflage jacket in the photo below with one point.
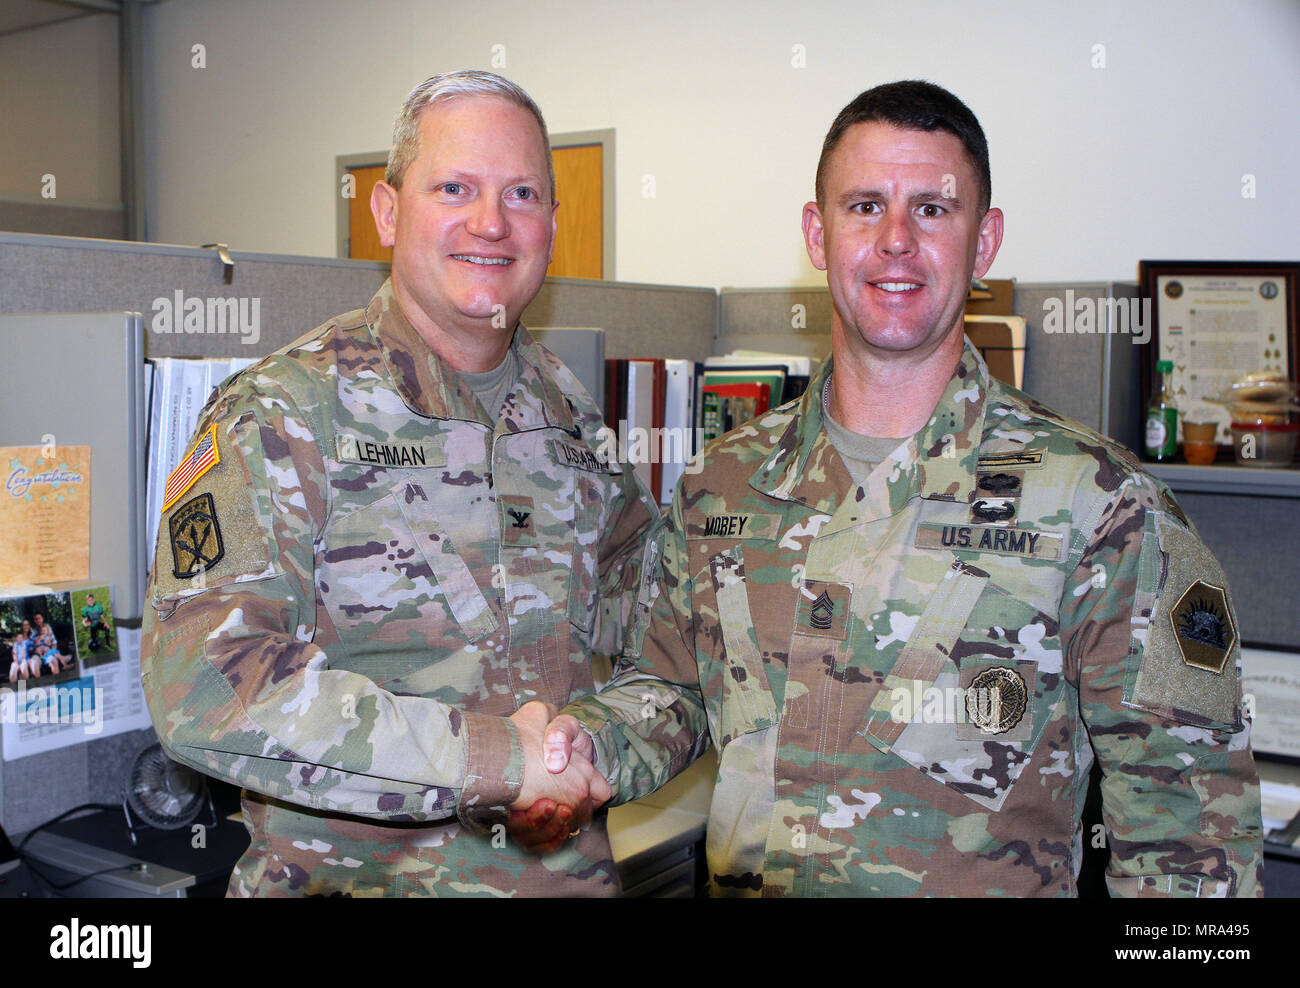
(358, 578)
(908, 681)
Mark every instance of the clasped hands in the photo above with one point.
(561, 788)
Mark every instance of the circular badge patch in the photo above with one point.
(996, 700)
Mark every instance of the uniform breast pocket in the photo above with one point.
(973, 690)
(397, 589)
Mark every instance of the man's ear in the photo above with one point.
(555, 210)
(814, 231)
(990, 239)
(383, 207)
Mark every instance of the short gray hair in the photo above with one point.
(448, 86)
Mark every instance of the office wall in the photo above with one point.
(1096, 167)
(59, 113)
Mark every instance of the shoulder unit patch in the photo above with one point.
(1203, 626)
(195, 537)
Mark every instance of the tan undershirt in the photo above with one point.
(861, 454)
(491, 387)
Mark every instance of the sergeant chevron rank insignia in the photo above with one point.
(824, 609)
(195, 537)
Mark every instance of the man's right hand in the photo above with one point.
(555, 798)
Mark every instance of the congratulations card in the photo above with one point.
(44, 514)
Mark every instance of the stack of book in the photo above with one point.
(663, 412)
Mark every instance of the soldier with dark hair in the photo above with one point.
(942, 603)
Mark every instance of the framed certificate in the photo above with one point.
(1270, 687)
(1216, 321)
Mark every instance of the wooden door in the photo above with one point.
(363, 238)
(578, 187)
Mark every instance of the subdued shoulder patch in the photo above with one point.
(1203, 626)
(216, 535)
(195, 537)
(1188, 669)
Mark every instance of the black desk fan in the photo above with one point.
(162, 793)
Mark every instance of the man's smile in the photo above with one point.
(479, 259)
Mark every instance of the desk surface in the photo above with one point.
(666, 821)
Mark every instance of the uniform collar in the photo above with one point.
(432, 388)
(938, 462)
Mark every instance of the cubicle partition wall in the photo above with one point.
(638, 320)
(782, 320)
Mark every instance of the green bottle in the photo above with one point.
(1161, 441)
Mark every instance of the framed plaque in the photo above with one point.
(1217, 321)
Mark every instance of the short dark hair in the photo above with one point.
(913, 104)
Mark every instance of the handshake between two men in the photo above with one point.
(561, 787)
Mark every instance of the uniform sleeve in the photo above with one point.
(649, 721)
(1149, 631)
(238, 686)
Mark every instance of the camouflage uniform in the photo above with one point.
(348, 605)
(907, 681)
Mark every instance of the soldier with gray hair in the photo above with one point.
(942, 603)
(395, 546)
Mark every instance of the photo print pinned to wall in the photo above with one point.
(92, 611)
(37, 640)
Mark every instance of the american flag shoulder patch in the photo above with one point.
(202, 458)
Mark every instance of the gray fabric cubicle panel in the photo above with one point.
(1257, 541)
(765, 318)
(639, 320)
(1093, 377)
(98, 356)
(38, 788)
(66, 274)
(296, 294)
